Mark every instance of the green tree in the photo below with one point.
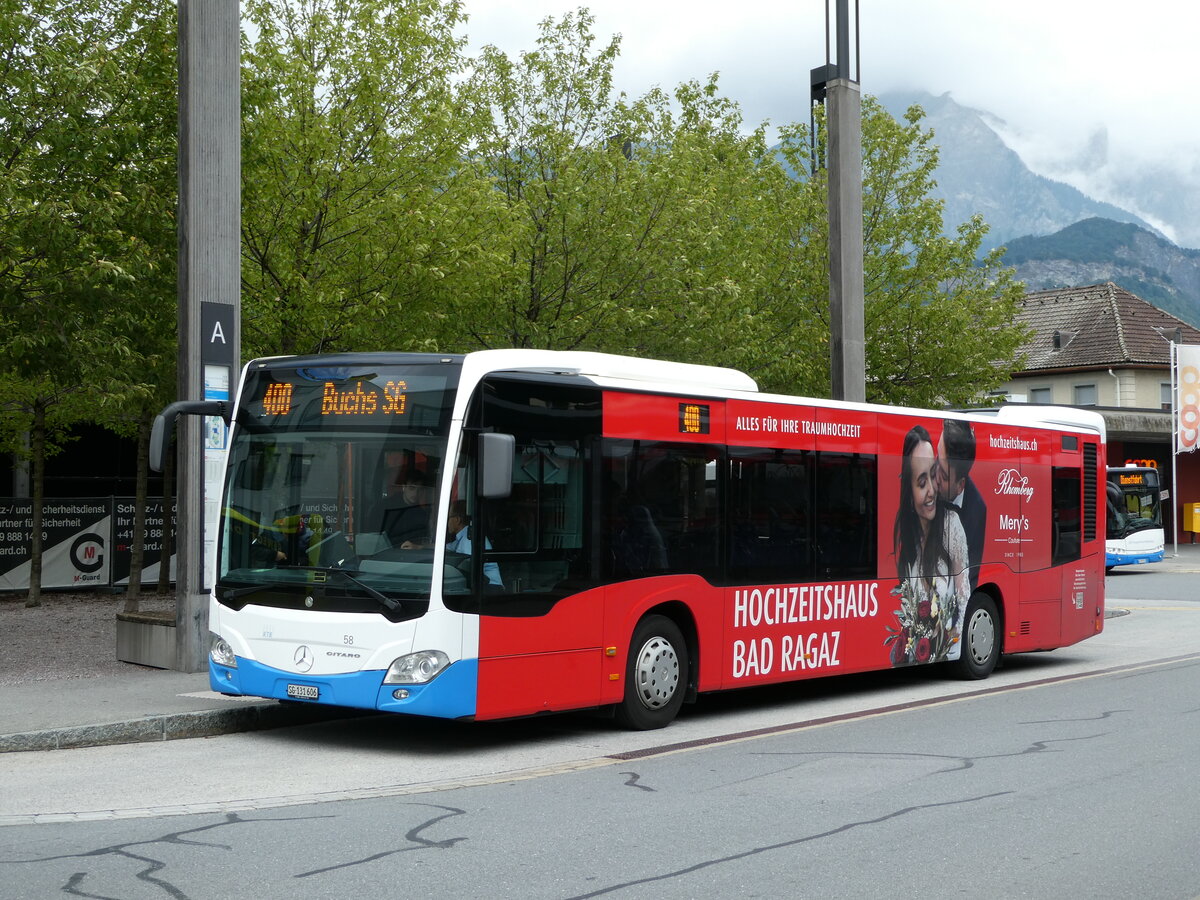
(603, 233)
(940, 326)
(657, 226)
(82, 198)
(358, 213)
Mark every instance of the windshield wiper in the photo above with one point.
(380, 598)
(377, 596)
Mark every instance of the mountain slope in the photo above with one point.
(1098, 250)
(978, 173)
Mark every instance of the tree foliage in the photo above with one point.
(358, 213)
(940, 324)
(658, 226)
(397, 195)
(86, 199)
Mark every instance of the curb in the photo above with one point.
(177, 726)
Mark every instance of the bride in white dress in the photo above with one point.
(931, 561)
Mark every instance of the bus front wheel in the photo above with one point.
(655, 675)
(980, 639)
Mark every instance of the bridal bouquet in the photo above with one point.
(925, 629)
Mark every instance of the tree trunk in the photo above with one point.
(137, 549)
(37, 446)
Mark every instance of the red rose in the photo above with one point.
(924, 648)
(898, 654)
(924, 608)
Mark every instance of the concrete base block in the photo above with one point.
(146, 639)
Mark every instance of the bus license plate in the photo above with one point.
(303, 691)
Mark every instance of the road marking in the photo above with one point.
(1133, 605)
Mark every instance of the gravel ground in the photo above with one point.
(68, 636)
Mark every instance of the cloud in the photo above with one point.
(1057, 71)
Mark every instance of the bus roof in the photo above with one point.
(669, 375)
(687, 378)
(684, 378)
(1065, 416)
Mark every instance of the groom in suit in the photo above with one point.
(956, 455)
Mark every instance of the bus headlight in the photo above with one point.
(416, 668)
(221, 653)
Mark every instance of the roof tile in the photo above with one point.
(1097, 326)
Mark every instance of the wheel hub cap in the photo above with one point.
(980, 636)
(657, 673)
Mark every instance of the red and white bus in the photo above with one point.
(513, 532)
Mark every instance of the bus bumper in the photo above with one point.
(451, 695)
(1112, 559)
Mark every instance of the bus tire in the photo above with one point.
(980, 639)
(655, 675)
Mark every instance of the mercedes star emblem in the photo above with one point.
(304, 658)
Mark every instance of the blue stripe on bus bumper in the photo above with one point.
(451, 695)
(1111, 559)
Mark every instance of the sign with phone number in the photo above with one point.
(86, 542)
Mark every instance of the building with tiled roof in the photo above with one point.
(1101, 346)
(1098, 345)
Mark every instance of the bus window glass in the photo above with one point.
(1134, 502)
(538, 536)
(770, 499)
(844, 506)
(662, 509)
(324, 464)
(1066, 490)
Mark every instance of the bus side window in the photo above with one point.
(1116, 513)
(662, 508)
(1066, 493)
(770, 501)
(539, 535)
(845, 486)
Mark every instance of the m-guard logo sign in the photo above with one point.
(87, 553)
(74, 543)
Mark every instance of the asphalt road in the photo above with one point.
(1132, 584)
(1066, 774)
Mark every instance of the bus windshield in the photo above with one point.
(1133, 502)
(329, 495)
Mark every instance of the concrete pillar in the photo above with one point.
(209, 288)
(844, 164)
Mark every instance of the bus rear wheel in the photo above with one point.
(980, 639)
(655, 675)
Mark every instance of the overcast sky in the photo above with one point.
(1055, 70)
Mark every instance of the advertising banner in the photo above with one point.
(158, 533)
(86, 542)
(1187, 398)
(75, 543)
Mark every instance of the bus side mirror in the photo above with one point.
(495, 464)
(164, 424)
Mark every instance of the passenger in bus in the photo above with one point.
(956, 456)
(928, 538)
(261, 551)
(410, 522)
(458, 540)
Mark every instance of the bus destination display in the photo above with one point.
(693, 418)
(359, 399)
